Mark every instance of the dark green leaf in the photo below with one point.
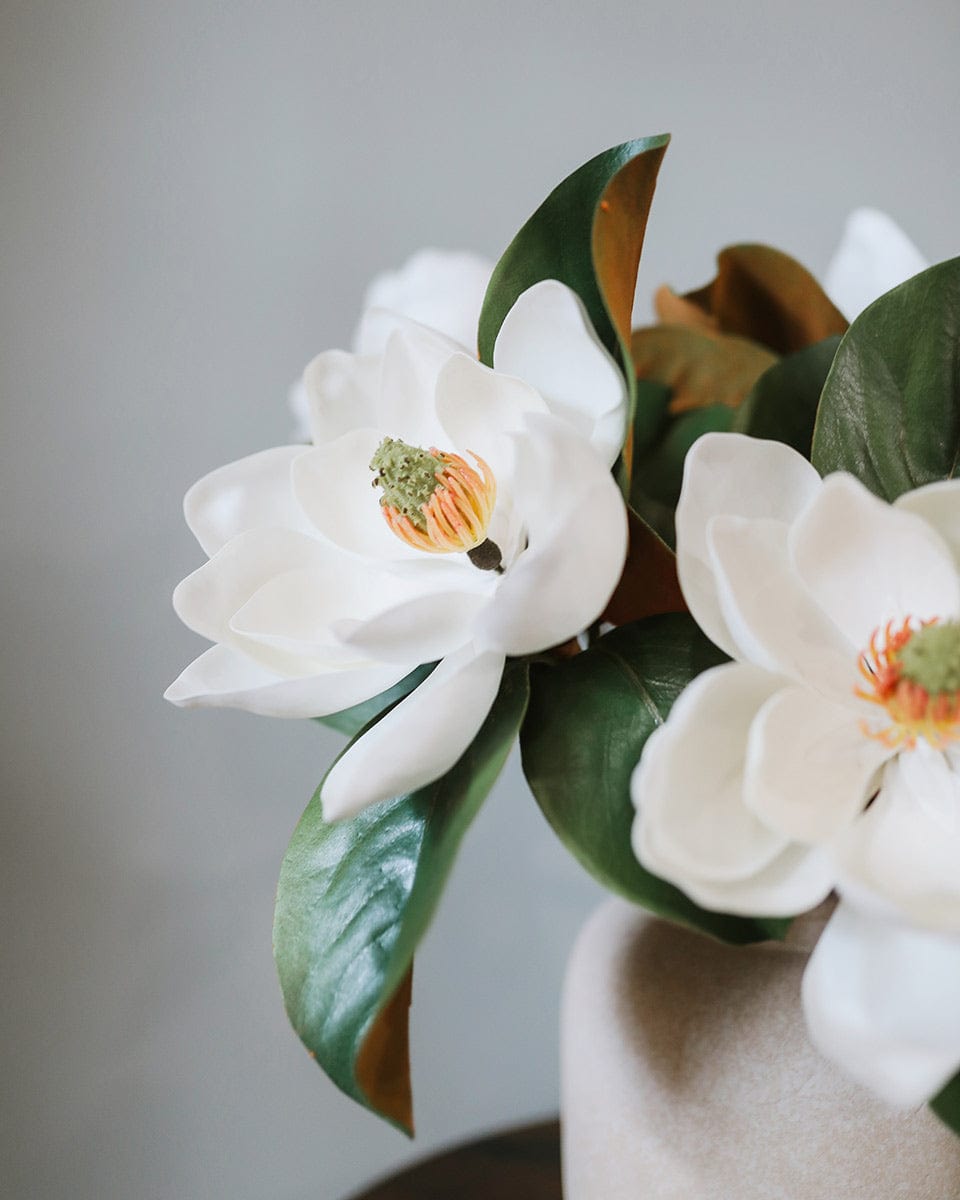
(659, 472)
(352, 720)
(890, 410)
(947, 1104)
(588, 720)
(588, 233)
(650, 414)
(782, 406)
(355, 898)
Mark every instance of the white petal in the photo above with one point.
(810, 771)
(420, 739)
(881, 1001)
(479, 407)
(547, 340)
(206, 600)
(224, 678)
(939, 505)
(296, 612)
(874, 256)
(416, 631)
(576, 527)
(866, 562)
(906, 847)
(298, 401)
(770, 614)
(342, 392)
(692, 823)
(248, 494)
(333, 485)
(443, 289)
(726, 473)
(406, 403)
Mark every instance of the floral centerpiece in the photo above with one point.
(708, 571)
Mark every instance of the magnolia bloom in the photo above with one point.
(493, 528)
(874, 256)
(442, 289)
(827, 754)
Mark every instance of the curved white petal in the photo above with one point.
(406, 402)
(882, 1001)
(342, 392)
(224, 678)
(248, 494)
(939, 505)
(874, 256)
(727, 473)
(866, 562)
(443, 289)
(333, 484)
(692, 824)
(478, 408)
(296, 611)
(547, 340)
(207, 599)
(420, 739)
(419, 630)
(576, 527)
(906, 847)
(810, 771)
(768, 611)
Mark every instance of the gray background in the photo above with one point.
(193, 198)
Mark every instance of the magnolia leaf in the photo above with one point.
(890, 409)
(588, 233)
(766, 295)
(782, 406)
(700, 368)
(650, 415)
(588, 720)
(352, 720)
(659, 473)
(354, 900)
(947, 1104)
(648, 585)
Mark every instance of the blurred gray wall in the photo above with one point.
(193, 198)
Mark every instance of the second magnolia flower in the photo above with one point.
(506, 534)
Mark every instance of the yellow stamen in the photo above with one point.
(457, 514)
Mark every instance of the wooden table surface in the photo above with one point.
(521, 1164)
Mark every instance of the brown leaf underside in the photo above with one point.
(383, 1064)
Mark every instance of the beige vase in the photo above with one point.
(687, 1075)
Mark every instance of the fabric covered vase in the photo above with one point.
(687, 1075)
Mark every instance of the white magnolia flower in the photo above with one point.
(874, 256)
(442, 289)
(827, 754)
(493, 529)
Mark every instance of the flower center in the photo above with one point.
(913, 671)
(436, 501)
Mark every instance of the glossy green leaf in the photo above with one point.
(355, 898)
(890, 410)
(352, 720)
(947, 1104)
(650, 414)
(588, 720)
(659, 473)
(782, 406)
(588, 233)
